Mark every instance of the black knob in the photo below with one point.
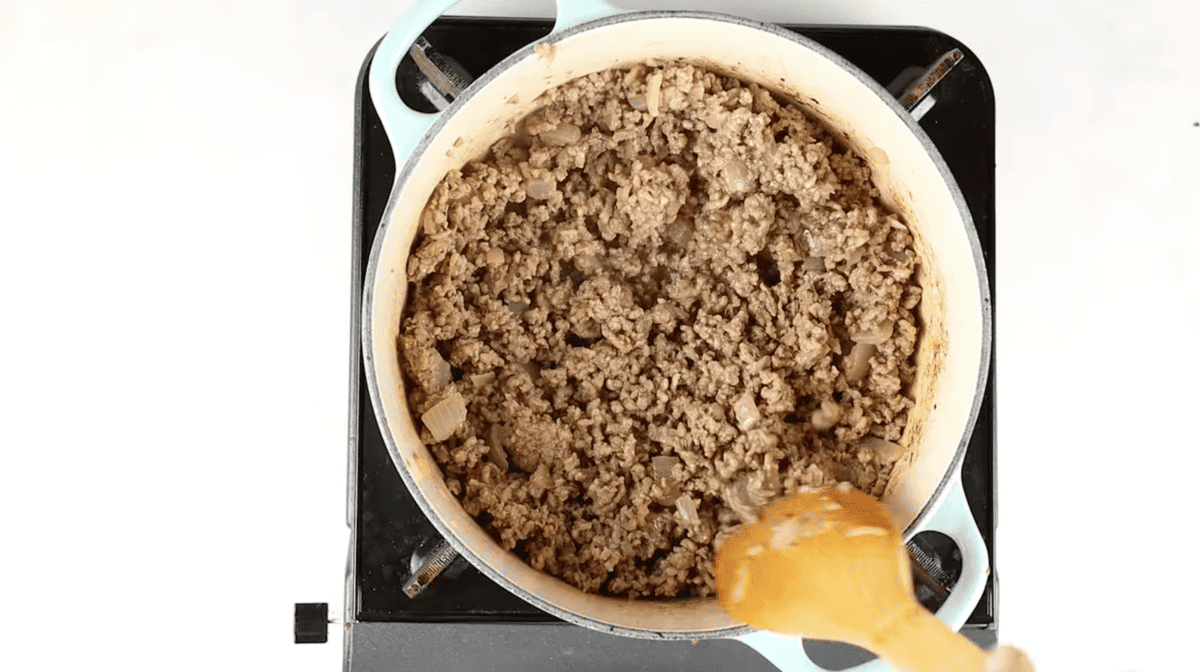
(312, 622)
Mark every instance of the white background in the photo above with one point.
(175, 203)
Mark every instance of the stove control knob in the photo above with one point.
(312, 622)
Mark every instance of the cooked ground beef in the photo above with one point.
(667, 299)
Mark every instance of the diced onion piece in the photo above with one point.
(686, 506)
(858, 362)
(813, 475)
(638, 101)
(445, 417)
(814, 264)
(427, 223)
(483, 379)
(826, 416)
(530, 369)
(440, 369)
(885, 452)
(746, 412)
(880, 334)
(497, 439)
(736, 175)
(561, 135)
(662, 465)
(539, 189)
(818, 246)
(665, 492)
(654, 92)
(498, 458)
(587, 263)
(737, 498)
(680, 231)
(497, 435)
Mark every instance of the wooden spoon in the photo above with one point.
(832, 565)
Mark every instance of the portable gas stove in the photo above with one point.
(463, 620)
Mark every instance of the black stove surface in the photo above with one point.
(390, 527)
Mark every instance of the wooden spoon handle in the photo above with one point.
(919, 642)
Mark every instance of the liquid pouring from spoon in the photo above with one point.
(832, 565)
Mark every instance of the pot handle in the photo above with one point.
(406, 127)
(952, 517)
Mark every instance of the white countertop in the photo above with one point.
(175, 184)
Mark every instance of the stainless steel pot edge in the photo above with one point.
(410, 165)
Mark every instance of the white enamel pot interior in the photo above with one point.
(954, 311)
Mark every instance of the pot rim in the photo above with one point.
(413, 161)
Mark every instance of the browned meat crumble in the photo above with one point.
(667, 299)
